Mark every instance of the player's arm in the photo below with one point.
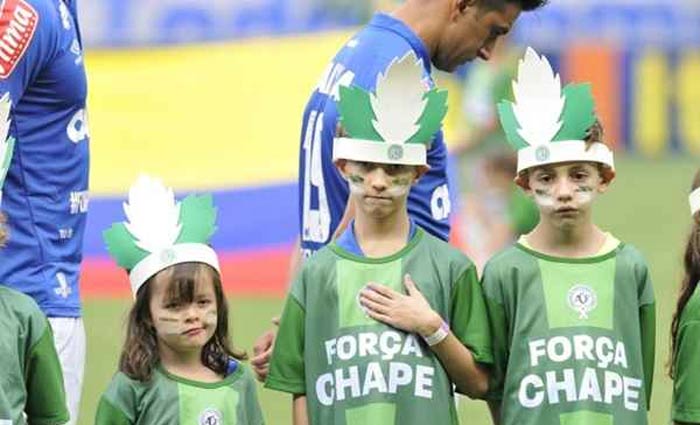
(287, 365)
(30, 49)
(412, 313)
(300, 416)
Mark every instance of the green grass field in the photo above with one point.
(646, 206)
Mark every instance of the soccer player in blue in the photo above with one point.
(45, 197)
(442, 33)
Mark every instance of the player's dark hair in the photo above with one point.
(525, 5)
(691, 263)
(140, 354)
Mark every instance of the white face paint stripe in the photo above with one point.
(175, 323)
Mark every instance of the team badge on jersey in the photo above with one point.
(582, 299)
(18, 23)
(210, 417)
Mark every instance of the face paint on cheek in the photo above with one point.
(399, 186)
(356, 184)
(544, 198)
(175, 324)
(584, 194)
(171, 324)
(210, 317)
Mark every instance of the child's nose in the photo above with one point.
(379, 179)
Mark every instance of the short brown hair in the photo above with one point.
(140, 353)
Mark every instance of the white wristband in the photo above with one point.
(438, 336)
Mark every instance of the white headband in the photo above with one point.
(694, 200)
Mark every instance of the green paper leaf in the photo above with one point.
(431, 120)
(5, 162)
(121, 245)
(510, 125)
(356, 114)
(579, 113)
(198, 219)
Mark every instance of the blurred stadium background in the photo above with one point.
(209, 96)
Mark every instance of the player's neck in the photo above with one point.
(381, 237)
(580, 241)
(420, 17)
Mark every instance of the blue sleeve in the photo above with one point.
(29, 39)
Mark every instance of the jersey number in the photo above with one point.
(316, 223)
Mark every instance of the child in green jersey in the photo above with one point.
(177, 365)
(341, 365)
(31, 382)
(685, 328)
(571, 307)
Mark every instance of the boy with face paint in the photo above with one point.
(571, 307)
(177, 365)
(340, 363)
(31, 382)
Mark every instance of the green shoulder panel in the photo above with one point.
(46, 400)
(631, 258)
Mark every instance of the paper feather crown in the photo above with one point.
(396, 123)
(6, 144)
(546, 124)
(160, 232)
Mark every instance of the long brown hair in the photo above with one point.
(140, 353)
(3, 230)
(691, 262)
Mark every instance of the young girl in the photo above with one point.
(177, 365)
(571, 307)
(31, 383)
(685, 328)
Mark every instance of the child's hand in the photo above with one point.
(410, 313)
(262, 352)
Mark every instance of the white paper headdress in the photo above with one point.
(546, 124)
(160, 232)
(396, 123)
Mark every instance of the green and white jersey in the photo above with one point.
(573, 339)
(686, 383)
(31, 382)
(356, 371)
(167, 399)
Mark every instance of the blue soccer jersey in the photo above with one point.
(45, 194)
(323, 193)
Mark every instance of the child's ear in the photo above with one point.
(607, 175)
(420, 172)
(340, 164)
(523, 180)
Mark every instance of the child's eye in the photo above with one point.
(172, 306)
(204, 301)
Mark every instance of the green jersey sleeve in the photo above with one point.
(498, 323)
(253, 414)
(287, 371)
(118, 403)
(108, 414)
(686, 386)
(46, 401)
(469, 320)
(647, 321)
